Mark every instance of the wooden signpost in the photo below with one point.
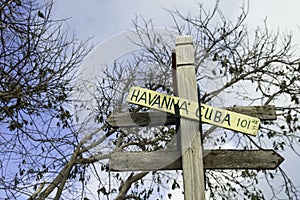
(190, 133)
(191, 158)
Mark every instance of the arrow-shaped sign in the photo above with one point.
(190, 109)
(213, 159)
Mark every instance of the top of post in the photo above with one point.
(185, 51)
(184, 40)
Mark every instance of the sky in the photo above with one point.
(103, 20)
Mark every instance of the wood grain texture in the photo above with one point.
(212, 159)
(156, 118)
(191, 147)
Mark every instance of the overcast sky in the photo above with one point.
(102, 19)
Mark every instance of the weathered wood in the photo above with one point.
(191, 147)
(140, 119)
(213, 159)
(267, 112)
(156, 118)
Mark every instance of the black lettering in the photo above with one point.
(244, 123)
(227, 119)
(171, 103)
(157, 101)
(202, 109)
(184, 107)
(143, 97)
(134, 95)
(197, 113)
(150, 100)
(167, 103)
(238, 122)
(218, 115)
(208, 113)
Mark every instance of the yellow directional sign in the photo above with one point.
(190, 109)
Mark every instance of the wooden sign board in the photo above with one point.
(190, 109)
(158, 118)
(212, 159)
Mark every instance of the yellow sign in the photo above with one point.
(190, 109)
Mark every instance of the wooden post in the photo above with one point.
(191, 147)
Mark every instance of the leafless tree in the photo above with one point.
(38, 60)
(44, 154)
(234, 67)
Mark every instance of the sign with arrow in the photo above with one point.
(213, 159)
